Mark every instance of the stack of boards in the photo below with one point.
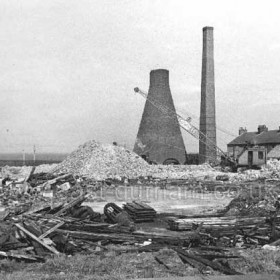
(140, 211)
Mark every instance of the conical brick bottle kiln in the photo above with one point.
(159, 138)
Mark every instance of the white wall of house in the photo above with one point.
(257, 158)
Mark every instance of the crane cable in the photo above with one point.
(217, 127)
(195, 117)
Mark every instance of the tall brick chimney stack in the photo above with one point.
(207, 107)
(159, 137)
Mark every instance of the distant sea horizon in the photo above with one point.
(29, 156)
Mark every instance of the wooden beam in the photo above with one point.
(30, 174)
(20, 256)
(71, 204)
(35, 238)
(55, 180)
(215, 266)
(51, 230)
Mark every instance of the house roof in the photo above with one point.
(243, 138)
(274, 153)
(265, 137)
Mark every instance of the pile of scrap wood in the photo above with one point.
(40, 179)
(34, 235)
(245, 231)
(37, 189)
(140, 211)
(254, 200)
(135, 211)
(39, 234)
(70, 228)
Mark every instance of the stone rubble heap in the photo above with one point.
(102, 161)
(272, 166)
(270, 171)
(253, 200)
(204, 171)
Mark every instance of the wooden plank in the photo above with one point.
(71, 204)
(30, 174)
(161, 262)
(20, 256)
(37, 210)
(55, 180)
(51, 230)
(215, 266)
(97, 236)
(35, 238)
(199, 266)
(122, 237)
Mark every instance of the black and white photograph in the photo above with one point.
(140, 139)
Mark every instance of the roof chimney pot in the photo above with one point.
(262, 128)
(242, 130)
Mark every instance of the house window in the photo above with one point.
(260, 154)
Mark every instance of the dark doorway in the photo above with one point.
(250, 159)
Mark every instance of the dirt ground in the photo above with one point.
(173, 199)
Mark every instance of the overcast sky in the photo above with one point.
(68, 68)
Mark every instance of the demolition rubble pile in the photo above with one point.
(254, 201)
(190, 172)
(273, 167)
(270, 171)
(101, 161)
(66, 228)
(20, 195)
(29, 234)
(232, 231)
(70, 228)
(104, 161)
(250, 219)
(19, 172)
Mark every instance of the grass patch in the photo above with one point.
(111, 266)
(258, 261)
(108, 265)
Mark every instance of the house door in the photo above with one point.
(250, 158)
